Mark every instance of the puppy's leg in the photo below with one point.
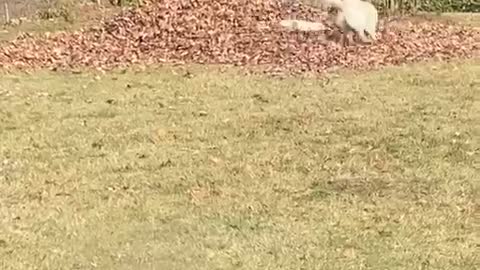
(345, 34)
(350, 35)
(363, 37)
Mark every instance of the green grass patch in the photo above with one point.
(159, 170)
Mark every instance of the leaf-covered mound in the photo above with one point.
(241, 32)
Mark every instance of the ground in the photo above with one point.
(209, 170)
(206, 168)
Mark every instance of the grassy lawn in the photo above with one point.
(160, 170)
(467, 19)
(82, 17)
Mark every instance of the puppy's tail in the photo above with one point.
(302, 25)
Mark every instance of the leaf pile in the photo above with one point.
(241, 32)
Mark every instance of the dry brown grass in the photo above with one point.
(159, 170)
